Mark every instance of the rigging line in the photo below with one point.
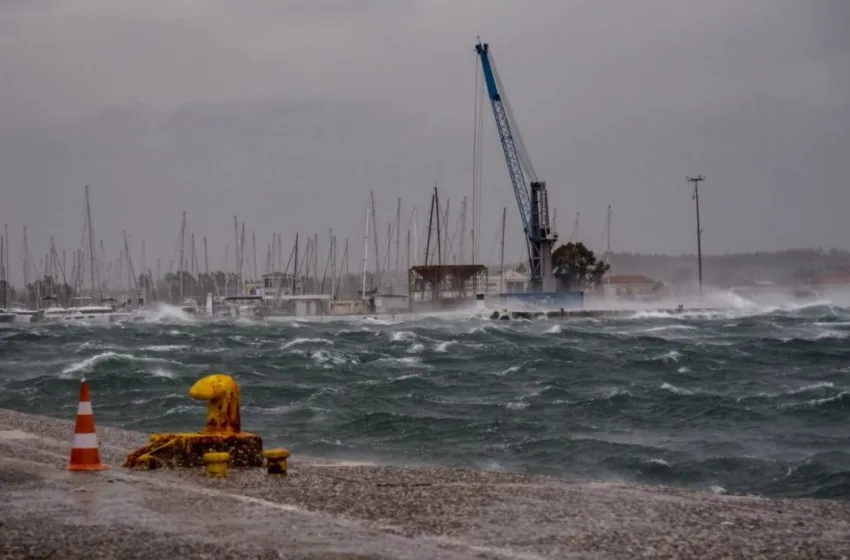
(496, 241)
(176, 250)
(481, 103)
(451, 240)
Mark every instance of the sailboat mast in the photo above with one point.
(182, 254)
(462, 229)
(3, 267)
(439, 242)
(295, 270)
(236, 250)
(193, 263)
(415, 242)
(333, 263)
(365, 253)
(206, 257)
(315, 262)
(375, 229)
(92, 255)
(502, 261)
(389, 240)
(254, 245)
(6, 273)
(397, 236)
(26, 267)
(345, 260)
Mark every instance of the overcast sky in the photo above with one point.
(286, 113)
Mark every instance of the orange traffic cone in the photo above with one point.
(85, 455)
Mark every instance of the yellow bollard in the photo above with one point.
(223, 432)
(276, 460)
(217, 464)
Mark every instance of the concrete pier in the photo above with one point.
(339, 510)
(595, 313)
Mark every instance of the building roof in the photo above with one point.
(438, 272)
(628, 279)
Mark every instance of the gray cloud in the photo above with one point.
(287, 113)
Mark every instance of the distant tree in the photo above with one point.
(577, 266)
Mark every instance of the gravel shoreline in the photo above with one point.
(329, 509)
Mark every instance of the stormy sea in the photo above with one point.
(747, 399)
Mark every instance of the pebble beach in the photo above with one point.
(325, 509)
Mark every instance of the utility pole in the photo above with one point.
(696, 180)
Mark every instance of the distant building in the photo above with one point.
(628, 285)
(509, 282)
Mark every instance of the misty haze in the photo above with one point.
(424, 279)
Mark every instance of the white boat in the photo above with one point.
(16, 316)
(22, 316)
(88, 314)
(248, 307)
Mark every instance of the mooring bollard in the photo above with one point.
(276, 460)
(216, 463)
(222, 432)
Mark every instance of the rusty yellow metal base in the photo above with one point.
(188, 449)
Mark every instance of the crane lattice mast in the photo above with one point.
(531, 196)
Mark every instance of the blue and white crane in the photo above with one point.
(530, 192)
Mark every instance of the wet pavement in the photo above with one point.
(338, 510)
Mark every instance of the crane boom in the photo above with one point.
(531, 198)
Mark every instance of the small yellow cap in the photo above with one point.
(276, 453)
(216, 457)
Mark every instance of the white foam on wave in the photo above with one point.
(675, 390)
(508, 371)
(400, 336)
(165, 348)
(417, 348)
(89, 363)
(305, 340)
(165, 313)
(443, 346)
(812, 387)
(162, 372)
(671, 356)
(328, 360)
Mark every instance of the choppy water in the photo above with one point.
(754, 400)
